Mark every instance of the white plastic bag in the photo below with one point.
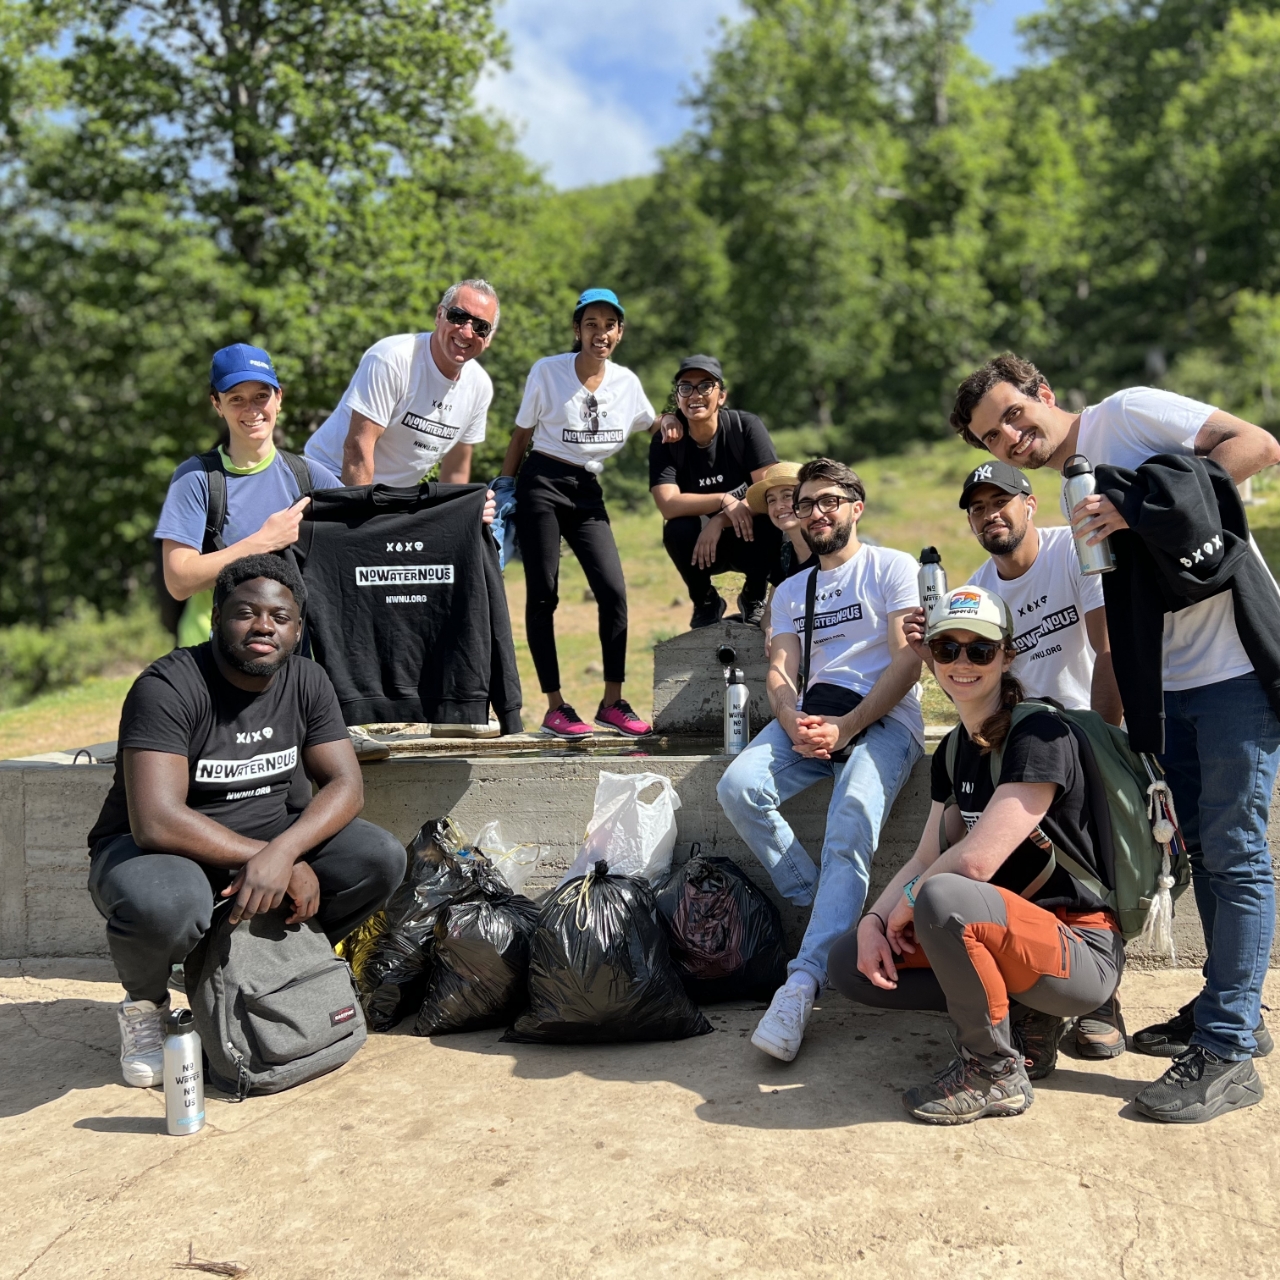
(635, 837)
(515, 863)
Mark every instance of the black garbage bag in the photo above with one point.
(725, 935)
(600, 970)
(394, 976)
(480, 965)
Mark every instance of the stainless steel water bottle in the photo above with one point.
(1077, 484)
(183, 1075)
(933, 581)
(737, 718)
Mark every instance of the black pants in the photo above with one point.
(555, 500)
(159, 905)
(760, 560)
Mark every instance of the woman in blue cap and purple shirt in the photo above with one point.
(578, 409)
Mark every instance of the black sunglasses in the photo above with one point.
(980, 652)
(456, 315)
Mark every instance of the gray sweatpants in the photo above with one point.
(159, 905)
(987, 947)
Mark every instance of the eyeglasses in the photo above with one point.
(481, 328)
(704, 388)
(980, 652)
(825, 502)
(591, 413)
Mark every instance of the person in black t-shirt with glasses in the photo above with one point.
(208, 801)
(699, 483)
(992, 930)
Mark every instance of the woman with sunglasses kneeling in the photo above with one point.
(992, 930)
(578, 409)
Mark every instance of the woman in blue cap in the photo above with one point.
(578, 409)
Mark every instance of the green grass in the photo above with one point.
(911, 504)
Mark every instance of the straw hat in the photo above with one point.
(781, 473)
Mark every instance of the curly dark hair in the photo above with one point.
(1004, 368)
(261, 566)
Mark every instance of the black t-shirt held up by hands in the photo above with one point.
(243, 749)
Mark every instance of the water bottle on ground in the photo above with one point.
(183, 1075)
(737, 728)
(1077, 484)
(933, 581)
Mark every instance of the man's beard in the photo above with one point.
(249, 666)
(832, 542)
(998, 544)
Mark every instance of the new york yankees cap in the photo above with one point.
(998, 473)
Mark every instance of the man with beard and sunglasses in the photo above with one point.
(416, 399)
(211, 801)
(855, 719)
(1216, 722)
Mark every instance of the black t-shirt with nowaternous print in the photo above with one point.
(243, 749)
(1040, 748)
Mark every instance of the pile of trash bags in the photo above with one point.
(605, 957)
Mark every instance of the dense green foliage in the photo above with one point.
(860, 213)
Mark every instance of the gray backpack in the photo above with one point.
(273, 1004)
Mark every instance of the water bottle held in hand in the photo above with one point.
(933, 581)
(1077, 484)
(183, 1075)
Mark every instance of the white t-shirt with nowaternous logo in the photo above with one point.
(1201, 643)
(576, 425)
(399, 386)
(1048, 604)
(851, 622)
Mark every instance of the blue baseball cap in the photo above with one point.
(588, 296)
(241, 363)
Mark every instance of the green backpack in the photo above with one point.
(1120, 783)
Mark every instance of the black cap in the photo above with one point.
(707, 363)
(1000, 474)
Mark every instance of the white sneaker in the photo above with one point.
(366, 746)
(782, 1028)
(142, 1041)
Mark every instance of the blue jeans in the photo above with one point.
(768, 772)
(1222, 747)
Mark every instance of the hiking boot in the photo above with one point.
(1100, 1034)
(1200, 1086)
(708, 613)
(752, 609)
(366, 747)
(565, 722)
(967, 1091)
(780, 1032)
(621, 717)
(1172, 1038)
(1036, 1036)
(142, 1041)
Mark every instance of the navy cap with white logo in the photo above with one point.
(241, 363)
(998, 473)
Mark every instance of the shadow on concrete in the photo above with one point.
(122, 1124)
(52, 1047)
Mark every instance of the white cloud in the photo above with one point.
(594, 91)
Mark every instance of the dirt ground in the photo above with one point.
(465, 1157)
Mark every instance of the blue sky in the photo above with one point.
(595, 89)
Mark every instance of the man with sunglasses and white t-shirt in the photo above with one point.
(416, 399)
(856, 719)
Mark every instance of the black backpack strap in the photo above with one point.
(810, 600)
(215, 515)
(301, 472)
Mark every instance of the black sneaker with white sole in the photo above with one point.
(1200, 1086)
(1172, 1038)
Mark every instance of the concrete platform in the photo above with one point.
(466, 1158)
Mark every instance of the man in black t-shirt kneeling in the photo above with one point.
(699, 484)
(209, 801)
